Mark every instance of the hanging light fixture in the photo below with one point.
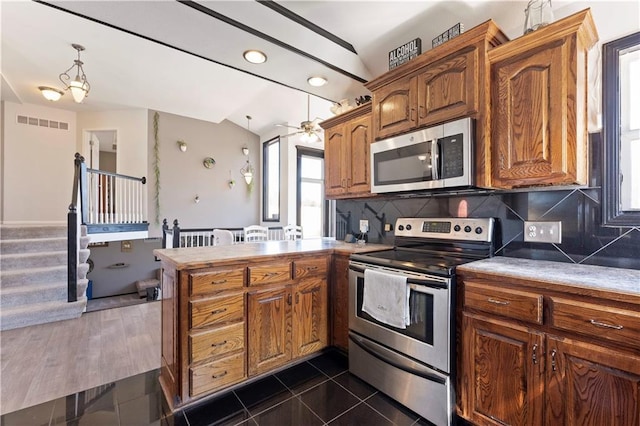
(79, 86)
(247, 171)
(50, 93)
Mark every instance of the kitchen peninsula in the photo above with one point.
(230, 313)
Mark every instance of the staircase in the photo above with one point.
(33, 275)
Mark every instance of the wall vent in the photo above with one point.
(42, 122)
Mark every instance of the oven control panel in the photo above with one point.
(469, 229)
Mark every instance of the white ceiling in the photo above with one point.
(171, 57)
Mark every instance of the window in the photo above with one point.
(311, 205)
(630, 126)
(271, 180)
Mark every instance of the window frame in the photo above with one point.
(309, 152)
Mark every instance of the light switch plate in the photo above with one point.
(543, 232)
(364, 225)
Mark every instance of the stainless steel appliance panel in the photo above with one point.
(423, 390)
(438, 350)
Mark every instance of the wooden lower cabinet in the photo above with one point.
(269, 339)
(502, 373)
(579, 366)
(591, 385)
(340, 302)
(286, 323)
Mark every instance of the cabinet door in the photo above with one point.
(357, 159)
(534, 134)
(269, 325)
(448, 89)
(394, 108)
(502, 372)
(334, 144)
(340, 303)
(591, 385)
(310, 316)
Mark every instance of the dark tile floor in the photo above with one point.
(319, 391)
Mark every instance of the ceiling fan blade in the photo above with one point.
(291, 134)
(286, 125)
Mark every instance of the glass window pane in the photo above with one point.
(311, 205)
(311, 167)
(271, 176)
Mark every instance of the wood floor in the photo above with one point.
(48, 361)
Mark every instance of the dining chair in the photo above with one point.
(292, 232)
(254, 233)
(222, 237)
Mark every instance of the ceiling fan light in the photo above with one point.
(317, 81)
(50, 93)
(255, 56)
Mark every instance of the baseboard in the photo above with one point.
(34, 223)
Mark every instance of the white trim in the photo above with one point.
(35, 223)
(117, 236)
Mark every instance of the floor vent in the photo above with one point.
(42, 122)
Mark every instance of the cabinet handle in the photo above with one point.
(348, 182)
(270, 274)
(422, 111)
(343, 183)
(312, 268)
(534, 356)
(501, 161)
(218, 311)
(297, 298)
(224, 373)
(289, 299)
(413, 114)
(553, 360)
(218, 282)
(215, 345)
(497, 302)
(605, 325)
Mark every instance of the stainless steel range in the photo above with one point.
(402, 311)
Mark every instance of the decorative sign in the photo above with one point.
(405, 53)
(452, 32)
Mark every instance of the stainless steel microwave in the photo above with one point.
(432, 158)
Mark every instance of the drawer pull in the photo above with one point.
(312, 268)
(218, 282)
(219, 311)
(497, 302)
(215, 345)
(270, 274)
(224, 373)
(605, 325)
(534, 356)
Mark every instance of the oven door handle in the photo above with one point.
(418, 282)
(390, 358)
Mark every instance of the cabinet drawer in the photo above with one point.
(217, 374)
(225, 279)
(269, 274)
(216, 342)
(218, 310)
(520, 305)
(620, 325)
(307, 267)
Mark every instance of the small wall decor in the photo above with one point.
(208, 162)
(452, 32)
(182, 145)
(231, 182)
(403, 54)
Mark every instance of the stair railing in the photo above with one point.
(114, 198)
(73, 226)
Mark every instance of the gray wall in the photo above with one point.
(183, 176)
(113, 281)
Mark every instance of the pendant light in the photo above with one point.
(78, 86)
(247, 171)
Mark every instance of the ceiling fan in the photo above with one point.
(308, 130)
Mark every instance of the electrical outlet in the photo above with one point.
(364, 225)
(543, 232)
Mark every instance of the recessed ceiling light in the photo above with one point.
(50, 93)
(255, 56)
(317, 81)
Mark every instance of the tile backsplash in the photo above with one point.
(584, 239)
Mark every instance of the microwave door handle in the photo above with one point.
(435, 159)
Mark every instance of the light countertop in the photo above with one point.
(605, 278)
(201, 256)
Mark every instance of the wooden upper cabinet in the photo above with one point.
(539, 106)
(395, 108)
(449, 88)
(346, 153)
